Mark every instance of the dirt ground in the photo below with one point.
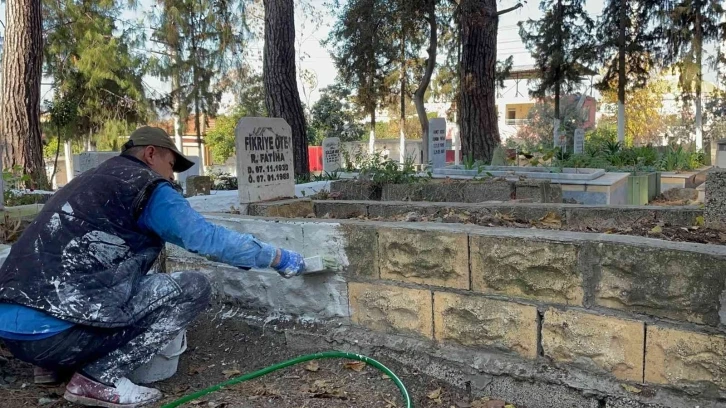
(221, 349)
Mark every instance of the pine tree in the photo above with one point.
(363, 53)
(476, 105)
(93, 58)
(628, 48)
(22, 59)
(687, 26)
(204, 40)
(282, 98)
(562, 45)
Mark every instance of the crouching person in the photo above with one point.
(75, 296)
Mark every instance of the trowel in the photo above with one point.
(319, 264)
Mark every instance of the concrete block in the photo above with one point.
(681, 194)
(715, 213)
(355, 190)
(391, 309)
(452, 192)
(87, 160)
(198, 185)
(595, 342)
(297, 208)
(682, 358)
(539, 270)
(425, 257)
(340, 209)
(361, 249)
(664, 282)
(480, 322)
(540, 191)
(322, 296)
(604, 217)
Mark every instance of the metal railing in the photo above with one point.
(516, 122)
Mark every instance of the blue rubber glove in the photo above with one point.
(291, 264)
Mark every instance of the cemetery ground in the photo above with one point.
(220, 349)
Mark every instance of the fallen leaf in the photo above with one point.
(312, 366)
(630, 388)
(656, 230)
(435, 394)
(196, 370)
(504, 217)
(230, 373)
(551, 220)
(390, 404)
(355, 365)
(385, 377)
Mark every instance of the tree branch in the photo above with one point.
(505, 11)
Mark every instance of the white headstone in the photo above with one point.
(579, 141)
(265, 168)
(331, 154)
(437, 142)
(88, 160)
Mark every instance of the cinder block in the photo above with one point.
(602, 343)
(425, 257)
(480, 322)
(678, 357)
(391, 309)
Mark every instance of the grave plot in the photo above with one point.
(539, 304)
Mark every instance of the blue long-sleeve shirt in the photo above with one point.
(170, 216)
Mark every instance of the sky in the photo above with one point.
(316, 59)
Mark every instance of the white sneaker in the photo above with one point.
(125, 394)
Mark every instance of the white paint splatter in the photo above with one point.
(54, 224)
(68, 209)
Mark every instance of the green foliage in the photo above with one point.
(641, 42)
(94, 60)
(204, 40)
(221, 138)
(380, 171)
(538, 133)
(113, 135)
(612, 156)
(561, 44)
(600, 135)
(223, 181)
(333, 116)
(361, 50)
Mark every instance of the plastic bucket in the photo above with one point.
(164, 364)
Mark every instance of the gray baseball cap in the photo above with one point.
(154, 136)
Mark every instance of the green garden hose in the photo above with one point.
(298, 360)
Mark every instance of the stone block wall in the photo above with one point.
(572, 216)
(490, 189)
(612, 317)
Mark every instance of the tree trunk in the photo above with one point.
(282, 98)
(698, 48)
(372, 135)
(402, 130)
(621, 73)
(477, 97)
(418, 96)
(556, 122)
(20, 96)
(55, 163)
